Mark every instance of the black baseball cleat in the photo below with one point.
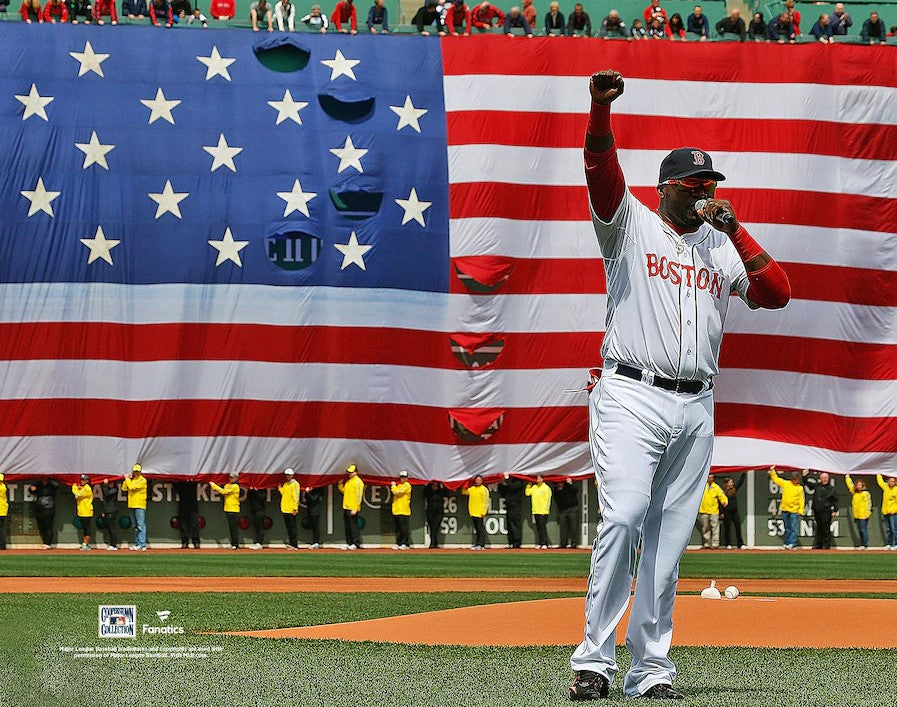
(588, 685)
(661, 692)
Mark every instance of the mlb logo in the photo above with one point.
(117, 621)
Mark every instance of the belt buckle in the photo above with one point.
(647, 377)
(676, 389)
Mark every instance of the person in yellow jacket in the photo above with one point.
(83, 494)
(4, 514)
(708, 513)
(401, 510)
(135, 486)
(888, 508)
(290, 491)
(230, 492)
(540, 496)
(352, 489)
(792, 504)
(862, 508)
(478, 507)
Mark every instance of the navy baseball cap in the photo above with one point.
(688, 162)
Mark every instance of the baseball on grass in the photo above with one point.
(731, 592)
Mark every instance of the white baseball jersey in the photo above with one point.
(667, 294)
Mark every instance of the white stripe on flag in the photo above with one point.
(761, 454)
(200, 455)
(686, 99)
(557, 166)
(289, 382)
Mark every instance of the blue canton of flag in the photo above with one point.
(141, 157)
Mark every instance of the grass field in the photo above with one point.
(260, 672)
(752, 565)
(268, 672)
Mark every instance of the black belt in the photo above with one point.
(677, 386)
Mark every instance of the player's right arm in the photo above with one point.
(603, 174)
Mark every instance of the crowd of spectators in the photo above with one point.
(720, 503)
(99, 507)
(455, 17)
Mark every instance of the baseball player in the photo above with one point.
(669, 276)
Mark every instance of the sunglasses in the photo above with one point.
(692, 183)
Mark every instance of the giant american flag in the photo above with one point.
(383, 256)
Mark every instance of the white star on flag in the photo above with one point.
(228, 249)
(353, 252)
(100, 247)
(216, 65)
(414, 208)
(89, 60)
(94, 151)
(222, 154)
(340, 66)
(169, 200)
(160, 107)
(349, 155)
(408, 115)
(288, 109)
(297, 200)
(35, 104)
(40, 198)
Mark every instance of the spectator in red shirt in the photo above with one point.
(529, 13)
(105, 7)
(31, 12)
(795, 16)
(655, 11)
(160, 11)
(55, 11)
(483, 14)
(458, 18)
(342, 13)
(676, 28)
(222, 9)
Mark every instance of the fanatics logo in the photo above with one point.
(699, 157)
(117, 621)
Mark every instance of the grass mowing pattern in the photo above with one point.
(784, 565)
(267, 672)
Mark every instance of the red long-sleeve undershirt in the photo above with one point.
(769, 287)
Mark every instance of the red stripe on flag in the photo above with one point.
(825, 357)
(239, 342)
(257, 418)
(538, 202)
(807, 428)
(559, 276)
(724, 62)
(648, 132)
(823, 283)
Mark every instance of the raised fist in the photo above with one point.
(606, 86)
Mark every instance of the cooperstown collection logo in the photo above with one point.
(117, 621)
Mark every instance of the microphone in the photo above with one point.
(701, 204)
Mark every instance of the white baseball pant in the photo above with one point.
(651, 451)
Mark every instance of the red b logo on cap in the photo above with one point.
(699, 157)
